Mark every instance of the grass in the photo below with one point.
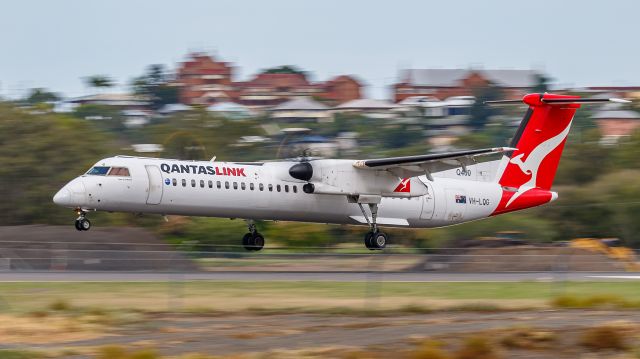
(602, 301)
(603, 338)
(19, 354)
(218, 297)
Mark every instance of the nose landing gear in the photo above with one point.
(82, 223)
(252, 241)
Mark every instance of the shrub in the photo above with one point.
(429, 350)
(603, 337)
(60, 305)
(478, 348)
(526, 338)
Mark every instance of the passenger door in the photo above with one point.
(428, 202)
(155, 185)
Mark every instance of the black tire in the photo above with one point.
(85, 224)
(78, 225)
(367, 240)
(379, 240)
(247, 241)
(258, 241)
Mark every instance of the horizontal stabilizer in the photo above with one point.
(551, 101)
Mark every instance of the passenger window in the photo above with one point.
(193, 183)
(210, 184)
(218, 184)
(270, 187)
(235, 185)
(286, 188)
(119, 171)
(295, 189)
(242, 187)
(278, 188)
(175, 182)
(226, 184)
(98, 171)
(261, 187)
(184, 182)
(251, 186)
(201, 183)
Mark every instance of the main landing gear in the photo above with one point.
(82, 223)
(252, 241)
(374, 239)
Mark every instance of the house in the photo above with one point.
(369, 107)
(122, 100)
(204, 80)
(230, 110)
(445, 83)
(341, 89)
(302, 109)
(172, 108)
(616, 122)
(272, 89)
(314, 145)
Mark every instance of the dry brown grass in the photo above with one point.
(528, 338)
(478, 348)
(430, 349)
(603, 337)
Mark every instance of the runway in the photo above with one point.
(232, 276)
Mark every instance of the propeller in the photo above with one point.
(303, 170)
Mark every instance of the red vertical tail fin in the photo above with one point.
(539, 141)
(527, 174)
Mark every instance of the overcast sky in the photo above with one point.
(54, 44)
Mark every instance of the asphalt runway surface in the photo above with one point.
(230, 276)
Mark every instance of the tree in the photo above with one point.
(40, 95)
(155, 84)
(542, 83)
(99, 81)
(481, 112)
(39, 154)
(285, 69)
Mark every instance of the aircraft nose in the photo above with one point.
(63, 197)
(71, 195)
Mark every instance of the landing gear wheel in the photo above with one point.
(83, 224)
(253, 241)
(379, 240)
(375, 240)
(367, 240)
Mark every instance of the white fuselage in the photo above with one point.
(265, 191)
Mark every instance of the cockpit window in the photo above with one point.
(119, 171)
(98, 171)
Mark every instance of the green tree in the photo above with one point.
(155, 84)
(40, 95)
(285, 69)
(480, 112)
(541, 83)
(39, 154)
(99, 81)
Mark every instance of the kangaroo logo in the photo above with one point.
(531, 164)
(404, 186)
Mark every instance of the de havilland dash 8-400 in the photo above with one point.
(423, 191)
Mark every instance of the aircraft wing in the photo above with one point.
(411, 166)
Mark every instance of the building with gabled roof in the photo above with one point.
(444, 83)
(203, 80)
(302, 108)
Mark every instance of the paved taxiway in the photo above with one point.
(114, 276)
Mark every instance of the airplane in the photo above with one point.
(423, 191)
